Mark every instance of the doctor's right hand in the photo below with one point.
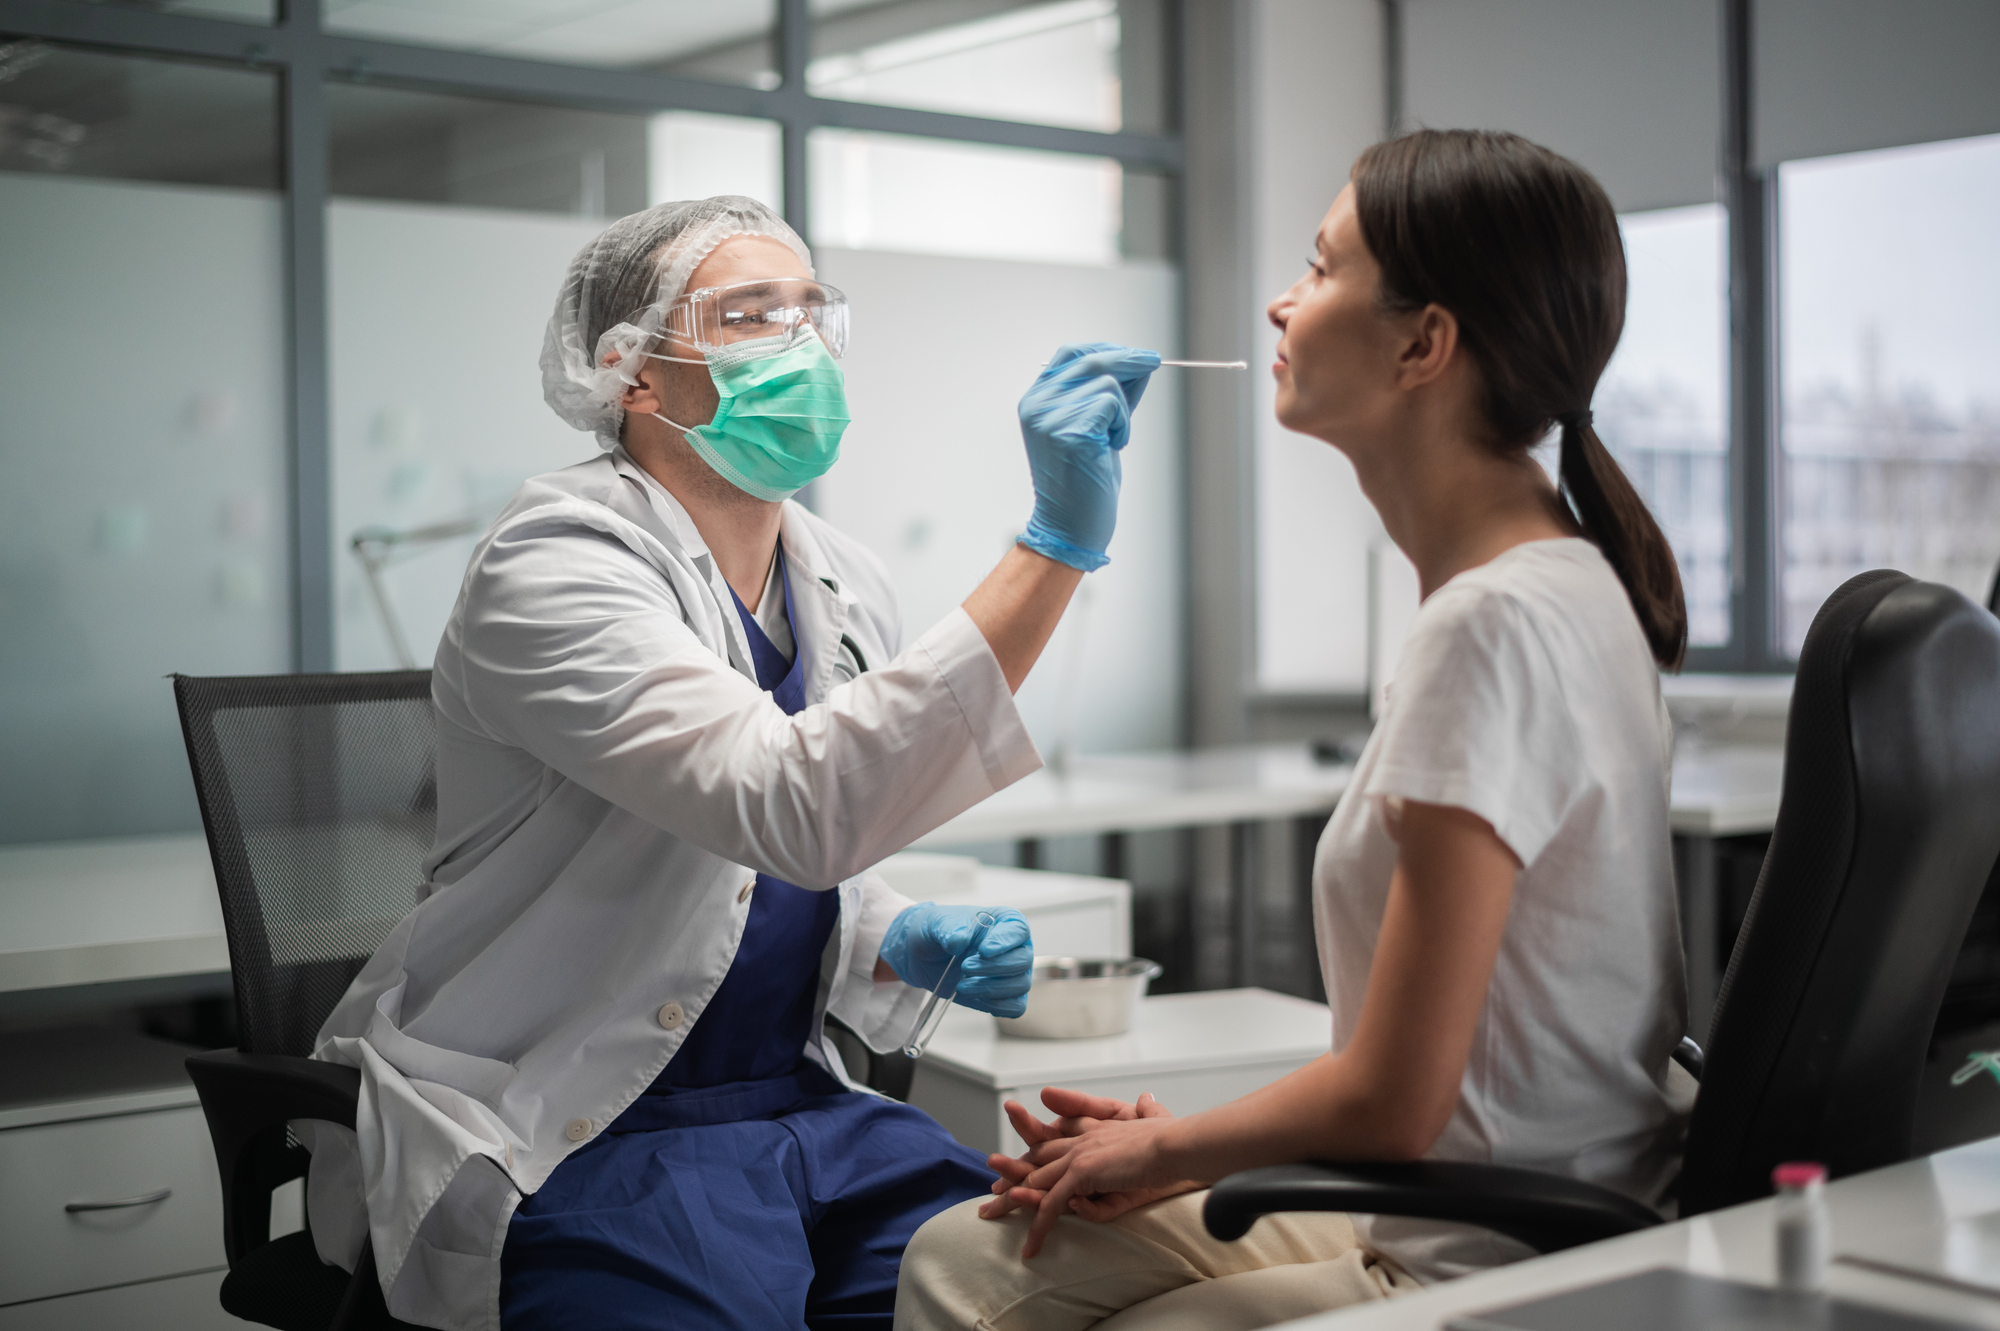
(924, 940)
(1074, 419)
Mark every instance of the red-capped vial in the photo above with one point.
(1804, 1230)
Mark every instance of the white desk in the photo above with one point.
(1727, 789)
(1192, 1051)
(1109, 796)
(90, 912)
(1718, 790)
(1138, 792)
(145, 907)
(1939, 1214)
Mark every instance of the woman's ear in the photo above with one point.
(1430, 348)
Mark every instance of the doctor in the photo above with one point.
(675, 728)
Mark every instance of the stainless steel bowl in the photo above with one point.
(1074, 998)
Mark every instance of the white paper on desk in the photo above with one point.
(1966, 1254)
(1972, 1251)
(1936, 1219)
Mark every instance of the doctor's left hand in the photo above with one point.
(994, 978)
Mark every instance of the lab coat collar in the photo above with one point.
(679, 525)
(820, 603)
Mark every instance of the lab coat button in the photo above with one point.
(748, 888)
(578, 1129)
(671, 1016)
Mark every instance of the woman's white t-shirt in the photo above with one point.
(1526, 694)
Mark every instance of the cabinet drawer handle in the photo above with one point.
(146, 1200)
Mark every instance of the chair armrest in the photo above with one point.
(247, 1100)
(1545, 1211)
(1688, 1054)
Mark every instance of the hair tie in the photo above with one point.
(1574, 420)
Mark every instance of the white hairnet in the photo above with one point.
(616, 293)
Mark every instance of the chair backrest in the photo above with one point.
(319, 799)
(1884, 838)
(1972, 1000)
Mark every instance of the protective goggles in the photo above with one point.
(716, 318)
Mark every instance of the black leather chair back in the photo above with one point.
(319, 798)
(1972, 1000)
(1885, 835)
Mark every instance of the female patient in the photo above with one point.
(1494, 898)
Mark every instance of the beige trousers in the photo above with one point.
(1152, 1269)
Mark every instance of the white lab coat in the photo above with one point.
(610, 780)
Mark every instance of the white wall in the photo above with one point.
(1632, 89)
(1318, 88)
(1839, 76)
(932, 476)
(142, 487)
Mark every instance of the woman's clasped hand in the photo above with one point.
(1099, 1159)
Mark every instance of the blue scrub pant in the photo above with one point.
(787, 1217)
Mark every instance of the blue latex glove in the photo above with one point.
(1075, 418)
(922, 941)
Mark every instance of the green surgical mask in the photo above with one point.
(783, 409)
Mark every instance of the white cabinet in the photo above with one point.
(110, 1207)
(179, 1303)
(1070, 915)
(1192, 1051)
(106, 1201)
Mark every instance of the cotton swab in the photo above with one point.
(1197, 364)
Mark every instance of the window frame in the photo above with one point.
(1750, 211)
(304, 56)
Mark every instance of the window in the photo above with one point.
(1660, 403)
(1890, 387)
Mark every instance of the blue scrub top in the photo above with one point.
(757, 1025)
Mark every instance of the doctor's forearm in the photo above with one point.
(1018, 607)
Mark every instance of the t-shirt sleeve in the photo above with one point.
(1477, 721)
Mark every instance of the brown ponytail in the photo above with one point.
(1522, 247)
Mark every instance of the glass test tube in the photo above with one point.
(932, 1014)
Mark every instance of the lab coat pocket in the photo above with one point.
(481, 1079)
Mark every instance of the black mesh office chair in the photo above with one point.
(319, 802)
(1885, 836)
(318, 796)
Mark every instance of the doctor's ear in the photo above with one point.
(643, 397)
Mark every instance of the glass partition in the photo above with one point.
(1890, 400)
(240, 11)
(1090, 64)
(428, 148)
(458, 220)
(69, 113)
(143, 446)
(928, 196)
(724, 41)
